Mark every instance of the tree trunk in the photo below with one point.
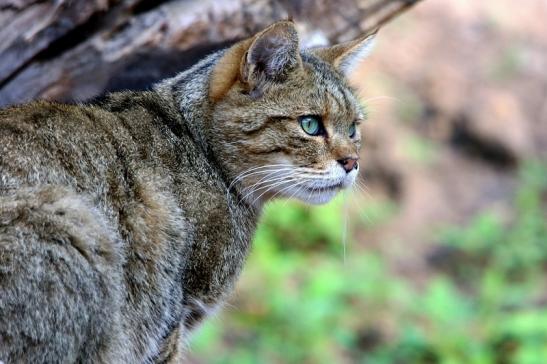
(73, 50)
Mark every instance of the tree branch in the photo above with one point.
(74, 50)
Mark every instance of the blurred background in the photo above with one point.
(439, 254)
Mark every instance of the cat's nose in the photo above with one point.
(349, 163)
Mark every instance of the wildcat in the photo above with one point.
(123, 224)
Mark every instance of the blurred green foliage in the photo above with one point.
(420, 150)
(508, 64)
(303, 299)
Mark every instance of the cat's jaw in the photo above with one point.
(321, 191)
(307, 185)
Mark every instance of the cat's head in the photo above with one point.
(285, 121)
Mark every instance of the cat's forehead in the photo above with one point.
(333, 88)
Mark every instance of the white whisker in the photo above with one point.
(277, 180)
(376, 98)
(345, 227)
(279, 183)
(264, 178)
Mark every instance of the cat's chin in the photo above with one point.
(318, 195)
(319, 198)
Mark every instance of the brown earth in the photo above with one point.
(458, 101)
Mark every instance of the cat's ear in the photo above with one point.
(272, 55)
(345, 57)
(269, 56)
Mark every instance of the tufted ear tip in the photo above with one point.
(345, 57)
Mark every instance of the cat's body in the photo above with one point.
(123, 224)
(124, 167)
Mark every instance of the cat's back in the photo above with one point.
(48, 143)
(45, 160)
(102, 150)
(99, 179)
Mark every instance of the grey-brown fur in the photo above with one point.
(118, 230)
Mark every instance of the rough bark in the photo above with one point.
(73, 50)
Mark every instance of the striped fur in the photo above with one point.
(123, 224)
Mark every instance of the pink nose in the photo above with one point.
(349, 164)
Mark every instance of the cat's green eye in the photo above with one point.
(352, 130)
(311, 124)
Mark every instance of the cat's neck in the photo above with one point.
(189, 90)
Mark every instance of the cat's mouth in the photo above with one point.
(302, 183)
(324, 189)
